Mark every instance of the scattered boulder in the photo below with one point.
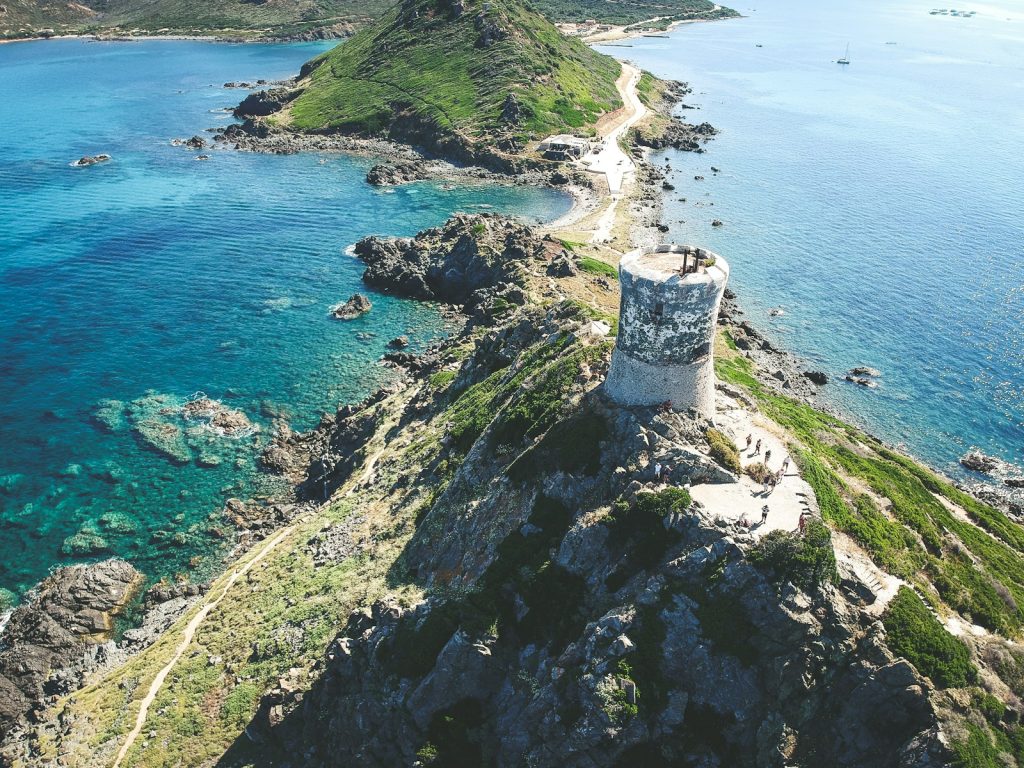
(562, 265)
(399, 342)
(401, 172)
(862, 381)
(356, 305)
(87, 160)
(817, 377)
(976, 461)
(863, 370)
(196, 142)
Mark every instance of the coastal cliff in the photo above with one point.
(489, 570)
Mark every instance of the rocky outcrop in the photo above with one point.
(48, 635)
(675, 133)
(356, 305)
(263, 103)
(390, 174)
(469, 259)
(90, 160)
(672, 666)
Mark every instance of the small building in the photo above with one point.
(563, 147)
(667, 318)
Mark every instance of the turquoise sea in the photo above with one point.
(880, 204)
(155, 276)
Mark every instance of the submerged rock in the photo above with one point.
(110, 415)
(90, 160)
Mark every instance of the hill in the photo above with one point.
(307, 19)
(227, 18)
(467, 72)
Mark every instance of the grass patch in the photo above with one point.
(919, 637)
(976, 567)
(597, 267)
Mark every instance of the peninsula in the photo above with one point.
(535, 546)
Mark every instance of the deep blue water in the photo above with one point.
(155, 273)
(880, 204)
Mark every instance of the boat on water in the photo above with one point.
(846, 56)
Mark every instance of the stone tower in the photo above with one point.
(667, 319)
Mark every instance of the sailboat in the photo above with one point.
(846, 56)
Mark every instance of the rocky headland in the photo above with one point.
(486, 568)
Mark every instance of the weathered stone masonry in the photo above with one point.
(664, 350)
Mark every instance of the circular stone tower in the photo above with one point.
(667, 318)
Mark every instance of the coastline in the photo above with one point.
(638, 219)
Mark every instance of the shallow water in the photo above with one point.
(879, 204)
(157, 273)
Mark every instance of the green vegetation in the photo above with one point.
(903, 518)
(553, 598)
(543, 398)
(806, 560)
(438, 67)
(629, 11)
(246, 19)
(595, 267)
(637, 532)
(290, 17)
(723, 451)
(916, 635)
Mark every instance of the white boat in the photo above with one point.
(846, 56)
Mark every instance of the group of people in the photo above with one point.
(662, 472)
(772, 479)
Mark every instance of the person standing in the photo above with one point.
(764, 514)
(803, 521)
(785, 465)
(750, 439)
(757, 447)
(767, 456)
(657, 472)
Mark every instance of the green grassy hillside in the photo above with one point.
(251, 18)
(243, 18)
(478, 69)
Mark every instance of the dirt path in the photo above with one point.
(186, 640)
(610, 159)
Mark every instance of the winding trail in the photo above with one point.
(610, 159)
(186, 640)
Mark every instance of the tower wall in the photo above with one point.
(667, 319)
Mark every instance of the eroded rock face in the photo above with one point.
(72, 609)
(792, 679)
(263, 103)
(461, 262)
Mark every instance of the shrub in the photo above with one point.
(638, 531)
(571, 445)
(918, 637)
(760, 472)
(807, 560)
(724, 451)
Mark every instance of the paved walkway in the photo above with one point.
(744, 499)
